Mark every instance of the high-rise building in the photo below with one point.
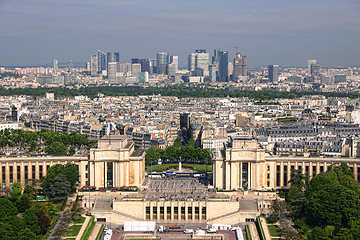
(191, 62)
(113, 57)
(212, 73)
(315, 70)
(215, 58)
(56, 65)
(202, 61)
(184, 120)
(88, 66)
(198, 63)
(240, 66)
(94, 65)
(273, 73)
(101, 61)
(310, 61)
(135, 69)
(200, 51)
(14, 114)
(175, 60)
(112, 69)
(223, 66)
(162, 60)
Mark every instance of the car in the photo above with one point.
(212, 230)
(189, 230)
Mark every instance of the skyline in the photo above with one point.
(277, 32)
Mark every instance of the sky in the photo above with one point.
(283, 32)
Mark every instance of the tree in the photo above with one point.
(26, 234)
(151, 155)
(296, 195)
(23, 203)
(7, 208)
(191, 143)
(31, 220)
(177, 143)
(15, 191)
(71, 172)
(56, 148)
(32, 146)
(72, 150)
(43, 218)
(333, 198)
(60, 189)
(30, 191)
(52, 172)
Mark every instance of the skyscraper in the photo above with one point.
(175, 60)
(94, 65)
(191, 62)
(212, 73)
(135, 69)
(273, 73)
(56, 65)
(173, 66)
(240, 66)
(223, 66)
(310, 61)
(112, 69)
(198, 63)
(215, 58)
(101, 61)
(162, 60)
(113, 57)
(315, 69)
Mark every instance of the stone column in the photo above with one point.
(355, 171)
(317, 168)
(241, 169)
(30, 171)
(37, 170)
(289, 172)
(22, 174)
(281, 174)
(179, 211)
(15, 173)
(200, 211)
(158, 210)
(151, 211)
(303, 168)
(172, 210)
(249, 175)
(7, 174)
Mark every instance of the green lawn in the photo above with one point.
(194, 167)
(274, 230)
(79, 220)
(73, 230)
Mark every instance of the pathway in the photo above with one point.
(95, 231)
(253, 231)
(265, 228)
(83, 228)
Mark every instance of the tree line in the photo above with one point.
(328, 206)
(177, 153)
(180, 90)
(23, 218)
(44, 142)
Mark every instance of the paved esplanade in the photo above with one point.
(177, 189)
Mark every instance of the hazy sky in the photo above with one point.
(283, 32)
